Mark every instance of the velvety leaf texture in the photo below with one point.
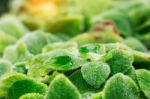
(121, 61)
(22, 87)
(95, 73)
(78, 80)
(122, 87)
(32, 96)
(15, 85)
(143, 77)
(61, 87)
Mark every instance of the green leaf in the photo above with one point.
(143, 77)
(92, 51)
(35, 41)
(121, 61)
(71, 24)
(5, 67)
(22, 87)
(12, 26)
(48, 78)
(132, 74)
(122, 87)
(84, 38)
(145, 39)
(135, 44)
(95, 73)
(119, 19)
(14, 85)
(5, 40)
(60, 60)
(60, 45)
(8, 80)
(92, 8)
(95, 48)
(139, 20)
(138, 56)
(17, 53)
(63, 60)
(62, 87)
(77, 79)
(20, 67)
(141, 57)
(105, 36)
(36, 66)
(32, 96)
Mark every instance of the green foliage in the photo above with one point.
(63, 60)
(60, 60)
(5, 40)
(48, 78)
(141, 57)
(5, 67)
(22, 87)
(61, 87)
(71, 25)
(92, 8)
(92, 51)
(15, 85)
(8, 80)
(95, 48)
(106, 34)
(143, 77)
(98, 96)
(77, 79)
(60, 45)
(121, 61)
(20, 67)
(32, 96)
(138, 56)
(140, 21)
(100, 63)
(35, 42)
(12, 26)
(122, 87)
(119, 19)
(36, 66)
(17, 53)
(95, 73)
(145, 39)
(87, 95)
(132, 74)
(135, 44)
(84, 38)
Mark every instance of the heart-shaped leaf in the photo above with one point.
(95, 73)
(61, 87)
